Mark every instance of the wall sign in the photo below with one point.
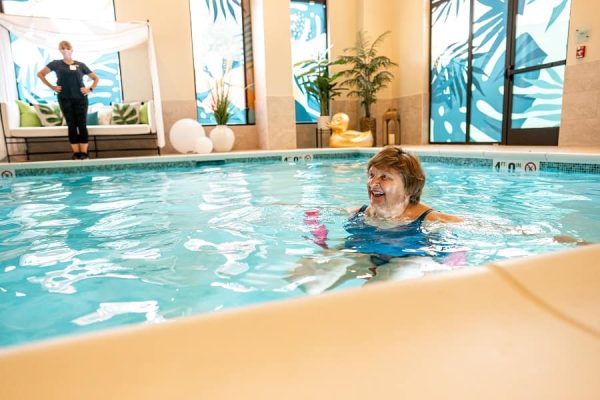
(7, 173)
(290, 158)
(516, 165)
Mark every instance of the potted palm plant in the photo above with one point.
(222, 136)
(367, 74)
(319, 83)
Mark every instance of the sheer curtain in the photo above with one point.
(90, 36)
(8, 84)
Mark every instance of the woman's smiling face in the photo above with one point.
(386, 191)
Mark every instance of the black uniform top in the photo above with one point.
(69, 77)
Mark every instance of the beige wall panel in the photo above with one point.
(170, 24)
(277, 34)
(342, 22)
(275, 117)
(581, 101)
(381, 16)
(135, 74)
(584, 15)
(413, 48)
(306, 136)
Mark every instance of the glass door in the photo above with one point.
(535, 71)
(497, 69)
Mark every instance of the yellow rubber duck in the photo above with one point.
(341, 137)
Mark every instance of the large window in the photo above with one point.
(221, 38)
(309, 39)
(29, 59)
(497, 70)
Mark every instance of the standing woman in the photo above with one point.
(72, 96)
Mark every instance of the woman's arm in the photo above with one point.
(436, 216)
(42, 75)
(570, 239)
(95, 79)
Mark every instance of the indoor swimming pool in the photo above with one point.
(91, 250)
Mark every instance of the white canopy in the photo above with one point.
(88, 36)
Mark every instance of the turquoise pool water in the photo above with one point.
(90, 251)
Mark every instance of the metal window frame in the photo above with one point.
(534, 136)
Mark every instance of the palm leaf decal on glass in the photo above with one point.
(223, 7)
(218, 37)
(309, 39)
(537, 95)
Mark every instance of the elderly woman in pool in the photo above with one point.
(389, 230)
(395, 182)
(391, 225)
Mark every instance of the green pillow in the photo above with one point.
(126, 113)
(49, 114)
(28, 116)
(92, 118)
(144, 114)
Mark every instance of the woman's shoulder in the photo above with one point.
(83, 66)
(354, 210)
(436, 216)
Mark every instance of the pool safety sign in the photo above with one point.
(292, 158)
(516, 165)
(7, 173)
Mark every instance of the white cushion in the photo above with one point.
(99, 130)
(126, 113)
(49, 114)
(104, 113)
(14, 115)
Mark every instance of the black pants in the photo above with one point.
(75, 112)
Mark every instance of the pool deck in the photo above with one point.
(518, 329)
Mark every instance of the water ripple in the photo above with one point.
(106, 248)
(64, 280)
(107, 311)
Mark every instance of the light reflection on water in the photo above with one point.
(85, 252)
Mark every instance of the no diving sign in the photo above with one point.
(516, 165)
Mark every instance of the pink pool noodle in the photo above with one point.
(318, 230)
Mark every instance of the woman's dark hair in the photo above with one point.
(407, 165)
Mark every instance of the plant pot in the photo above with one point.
(323, 121)
(222, 137)
(368, 124)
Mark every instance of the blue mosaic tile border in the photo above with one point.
(569, 167)
(159, 166)
(325, 156)
(246, 160)
(470, 162)
(104, 167)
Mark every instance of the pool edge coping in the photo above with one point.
(191, 160)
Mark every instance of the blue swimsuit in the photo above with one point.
(383, 244)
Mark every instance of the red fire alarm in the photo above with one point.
(580, 52)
